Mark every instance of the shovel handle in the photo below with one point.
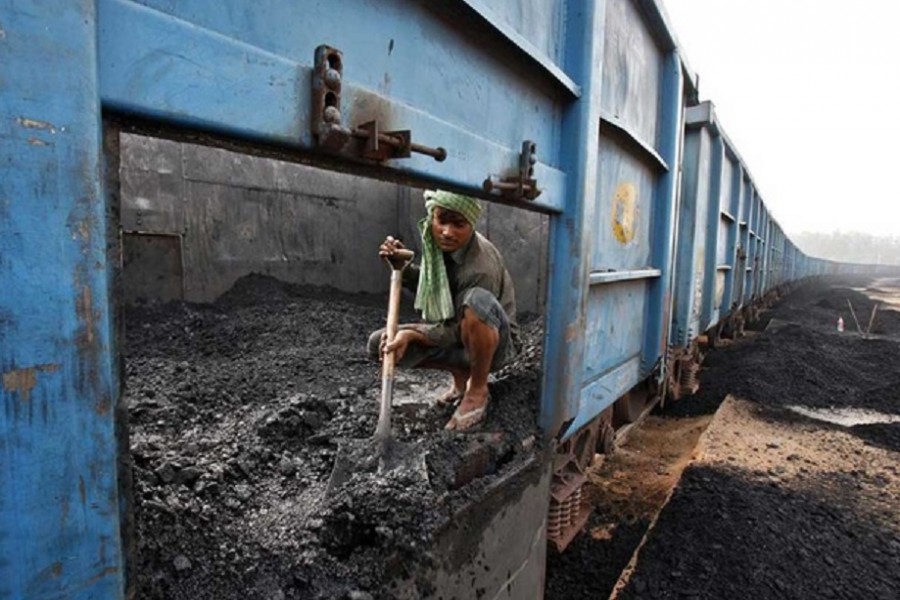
(400, 258)
(393, 319)
(383, 430)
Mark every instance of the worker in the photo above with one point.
(468, 305)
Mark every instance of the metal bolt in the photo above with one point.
(332, 79)
(332, 114)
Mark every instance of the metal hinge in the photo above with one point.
(333, 136)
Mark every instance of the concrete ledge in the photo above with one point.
(495, 548)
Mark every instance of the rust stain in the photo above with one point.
(82, 231)
(104, 573)
(36, 142)
(624, 212)
(82, 228)
(82, 492)
(35, 124)
(84, 308)
(83, 224)
(54, 571)
(103, 404)
(666, 320)
(50, 573)
(22, 381)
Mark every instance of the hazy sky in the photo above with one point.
(809, 92)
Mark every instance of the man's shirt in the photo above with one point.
(477, 264)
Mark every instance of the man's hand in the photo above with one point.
(389, 247)
(401, 341)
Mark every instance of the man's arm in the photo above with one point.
(410, 334)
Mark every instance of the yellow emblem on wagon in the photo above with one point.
(624, 212)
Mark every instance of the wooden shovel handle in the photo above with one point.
(393, 320)
(383, 429)
(400, 258)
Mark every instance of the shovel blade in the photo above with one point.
(403, 459)
(376, 457)
(340, 473)
(353, 456)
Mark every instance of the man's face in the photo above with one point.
(450, 229)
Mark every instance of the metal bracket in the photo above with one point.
(330, 133)
(327, 77)
(523, 185)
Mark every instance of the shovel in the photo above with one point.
(382, 453)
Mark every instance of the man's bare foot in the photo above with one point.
(450, 397)
(458, 381)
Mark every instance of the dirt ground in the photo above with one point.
(237, 411)
(776, 507)
(793, 491)
(627, 490)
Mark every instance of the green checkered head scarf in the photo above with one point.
(433, 295)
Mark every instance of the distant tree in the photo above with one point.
(850, 246)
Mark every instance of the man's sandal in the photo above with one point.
(464, 421)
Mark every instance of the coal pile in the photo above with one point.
(801, 358)
(237, 411)
(730, 533)
(819, 305)
(726, 536)
(591, 564)
(795, 365)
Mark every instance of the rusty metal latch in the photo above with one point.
(331, 134)
(326, 125)
(382, 145)
(523, 185)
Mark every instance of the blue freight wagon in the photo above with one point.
(732, 257)
(571, 108)
(730, 249)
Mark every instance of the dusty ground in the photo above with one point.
(779, 504)
(627, 490)
(237, 411)
(776, 507)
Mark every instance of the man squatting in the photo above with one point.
(468, 305)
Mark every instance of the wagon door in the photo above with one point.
(630, 229)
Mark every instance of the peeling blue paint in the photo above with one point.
(58, 450)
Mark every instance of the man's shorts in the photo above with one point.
(487, 308)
